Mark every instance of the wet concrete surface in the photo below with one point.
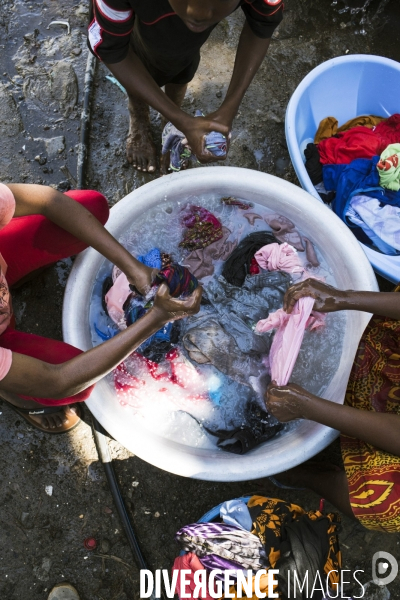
(41, 83)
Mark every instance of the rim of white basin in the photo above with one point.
(338, 246)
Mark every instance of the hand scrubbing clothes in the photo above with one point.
(174, 141)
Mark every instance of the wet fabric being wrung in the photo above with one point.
(174, 141)
(288, 338)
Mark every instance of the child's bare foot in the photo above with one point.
(140, 148)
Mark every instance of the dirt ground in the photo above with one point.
(41, 84)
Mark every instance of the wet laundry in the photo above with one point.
(179, 279)
(328, 127)
(289, 336)
(174, 141)
(208, 343)
(230, 201)
(225, 541)
(239, 308)
(200, 262)
(285, 231)
(252, 217)
(279, 257)
(313, 164)
(382, 220)
(366, 235)
(237, 267)
(202, 228)
(258, 427)
(389, 168)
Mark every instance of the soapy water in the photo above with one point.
(203, 394)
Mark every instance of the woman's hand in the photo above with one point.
(286, 402)
(196, 132)
(168, 309)
(327, 298)
(141, 277)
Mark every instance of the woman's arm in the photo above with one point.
(74, 218)
(31, 377)
(330, 299)
(382, 430)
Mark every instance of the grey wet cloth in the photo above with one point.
(235, 512)
(223, 540)
(208, 343)
(240, 308)
(200, 262)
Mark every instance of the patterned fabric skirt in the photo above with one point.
(374, 475)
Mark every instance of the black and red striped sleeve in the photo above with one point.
(263, 16)
(109, 30)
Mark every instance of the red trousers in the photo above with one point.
(27, 244)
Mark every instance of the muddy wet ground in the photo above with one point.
(41, 83)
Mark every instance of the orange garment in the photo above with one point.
(329, 126)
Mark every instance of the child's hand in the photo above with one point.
(196, 133)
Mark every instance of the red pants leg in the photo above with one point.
(29, 243)
(50, 351)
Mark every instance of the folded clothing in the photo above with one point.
(174, 141)
(226, 541)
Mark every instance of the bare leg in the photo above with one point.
(175, 92)
(328, 481)
(140, 148)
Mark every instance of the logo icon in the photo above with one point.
(384, 568)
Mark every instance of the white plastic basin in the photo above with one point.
(343, 87)
(339, 247)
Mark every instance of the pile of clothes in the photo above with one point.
(356, 167)
(240, 307)
(262, 533)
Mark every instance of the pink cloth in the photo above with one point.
(279, 257)
(115, 299)
(289, 336)
(189, 562)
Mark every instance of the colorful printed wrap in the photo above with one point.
(179, 280)
(226, 541)
(374, 475)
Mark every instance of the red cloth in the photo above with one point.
(358, 142)
(389, 130)
(190, 562)
(29, 243)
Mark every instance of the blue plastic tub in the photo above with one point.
(343, 87)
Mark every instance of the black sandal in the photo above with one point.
(25, 413)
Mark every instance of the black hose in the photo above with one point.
(101, 439)
(85, 120)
